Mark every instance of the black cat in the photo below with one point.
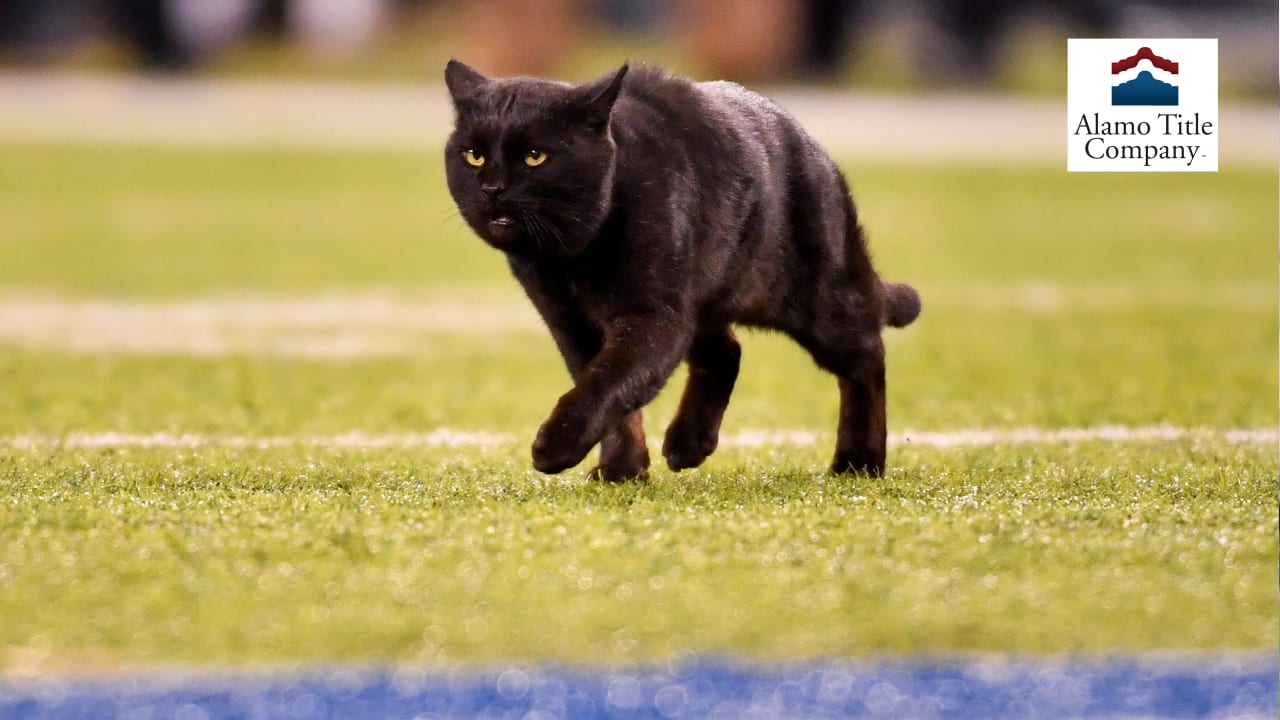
(644, 214)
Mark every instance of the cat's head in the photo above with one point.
(530, 162)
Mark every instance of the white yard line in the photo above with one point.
(324, 326)
(440, 437)
(452, 438)
(356, 324)
(972, 126)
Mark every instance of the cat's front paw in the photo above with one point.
(687, 447)
(690, 439)
(562, 441)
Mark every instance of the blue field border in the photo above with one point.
(1141, 688)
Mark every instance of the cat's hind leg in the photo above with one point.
(623, 453)
(848, 344)
(861, 436)
(713, 369)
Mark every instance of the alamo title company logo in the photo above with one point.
(1142, 105)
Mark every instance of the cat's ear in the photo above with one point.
(596, 98)
(463, 81)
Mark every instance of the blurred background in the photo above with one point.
(1008, 44)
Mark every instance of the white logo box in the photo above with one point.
(1102, 137)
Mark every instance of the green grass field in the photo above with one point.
(365, 306)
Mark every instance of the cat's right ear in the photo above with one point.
(463, 81)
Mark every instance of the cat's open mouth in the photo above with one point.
(502, 223)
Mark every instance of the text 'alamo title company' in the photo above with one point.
(1142, 105)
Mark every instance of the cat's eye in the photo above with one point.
(473, 158)
(534, 158)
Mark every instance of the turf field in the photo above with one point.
(273, 408)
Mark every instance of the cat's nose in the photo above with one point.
(492, 190)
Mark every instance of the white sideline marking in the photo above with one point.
(349, 325)
(324, 326)
(450, 438)
(979, 437)
(440, 437)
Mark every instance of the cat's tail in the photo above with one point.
(901, 303)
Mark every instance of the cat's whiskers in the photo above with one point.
(555, 233)
(565, 214)
(454, 215)
(538, 228)
(532, 224)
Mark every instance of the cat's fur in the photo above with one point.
(666, 211)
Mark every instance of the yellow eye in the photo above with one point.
(534, 158)
(473, 158)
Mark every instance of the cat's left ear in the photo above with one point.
(597, 97)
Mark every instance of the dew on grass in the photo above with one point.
(408, 681)
(190, 711)
(624, 692)
(513, 684)
(671, 701)
(476, 628)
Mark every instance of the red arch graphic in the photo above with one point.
(1144, 53)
